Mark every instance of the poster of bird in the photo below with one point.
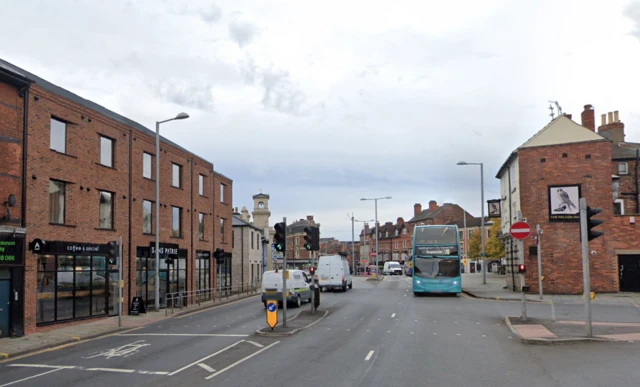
(494, 208)
(563, 203)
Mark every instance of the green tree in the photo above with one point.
(494, 248)
(475, 245)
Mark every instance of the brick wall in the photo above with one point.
(79, 166)
(222, 209)
(628, 187)
(588, 164)
(11, 136)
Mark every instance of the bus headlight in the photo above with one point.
(418, 282)
(455, 282)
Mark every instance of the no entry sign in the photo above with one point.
(520, 230)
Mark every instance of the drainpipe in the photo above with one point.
(242, 258)
(128, 266)
(25, 133)
(192, 266)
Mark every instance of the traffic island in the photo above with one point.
(302, 320)
(550, 332)
(376, 278)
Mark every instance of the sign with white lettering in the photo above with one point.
(166, 249)
(61, 247)
(202, 254)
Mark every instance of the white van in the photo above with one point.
(392, 268)
(333, 272)
(298, 286)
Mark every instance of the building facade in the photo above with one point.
(80, 176)
(542, 182)
(247, 254)
(297, 256)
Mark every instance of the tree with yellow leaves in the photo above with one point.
(493, 248)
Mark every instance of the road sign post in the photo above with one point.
(272, 313)
(521, 230)
(284, 277)
(584, 232)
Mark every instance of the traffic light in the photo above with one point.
(312, 270)
(308, 239)
(112, 252)
(280, 238)
(315, 245)
(591, 223)
(522, 268)
(219, 255)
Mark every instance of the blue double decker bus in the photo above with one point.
(436, 259)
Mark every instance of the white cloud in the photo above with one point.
(319, 104)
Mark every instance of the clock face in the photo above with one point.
(261, 205)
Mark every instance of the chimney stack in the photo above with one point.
(433, 205)
(309, 217)
(400, 221)
(417, 208)
(589, 118)
(613, 126)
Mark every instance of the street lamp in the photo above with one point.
(376, 226)
(180, 116)
(484, 268)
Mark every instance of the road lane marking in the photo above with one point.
(206, 367)
(40, 366)
(241, 360)
(32, 377)
(186, 334)
(369, 355)
(125, 371)
(205, 358)
(393, 315)
(256, 344)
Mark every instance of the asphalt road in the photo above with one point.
(377, 334)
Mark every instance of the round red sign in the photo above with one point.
(520, 230)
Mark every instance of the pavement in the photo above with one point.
(376, 334)
(615, 317)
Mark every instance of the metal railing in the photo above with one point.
(179, 301)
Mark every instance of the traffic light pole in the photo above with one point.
(523, 297)
(120, 282)
(584, 233)
(284, 277)
(313, 282)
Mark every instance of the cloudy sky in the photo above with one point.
(322, 103)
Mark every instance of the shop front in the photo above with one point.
(172, 272)
(203, 275)
(74, 281)
(11, 282)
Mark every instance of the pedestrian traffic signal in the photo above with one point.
(308, 239)
(591, 223)
(522, 269)
(280, 238)
(219, 255)
(112, 252)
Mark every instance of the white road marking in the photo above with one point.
(256, 344)
(369, 355)
(388, 331)
(241, 360)
(40, 366)
(206, 367)
(435, 333)
(393, 315)
(185, 334)
(125, 371)
(411, 332)
(484, 335)
(31, 377)
(458, 334)
(122, 351)
(205, 358)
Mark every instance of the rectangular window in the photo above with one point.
(147, 216)
(176, 222)
(623, 168)
(252, 239)
(147, 169)
(177, 176)
(106, 210)
(202, 278)
(201, 185)
(222, 229)
(106, 151)
(618, 207)
(70, 287)
(221, 193)
(57, 193)
(201, 226)
(58, 136)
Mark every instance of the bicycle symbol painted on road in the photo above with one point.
(123, 351)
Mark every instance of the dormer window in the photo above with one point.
(397, 232)
(386, 234)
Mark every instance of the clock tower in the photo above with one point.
(261, 216)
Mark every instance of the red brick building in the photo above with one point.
(83, 176)
(543, 180)
(297, 255)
